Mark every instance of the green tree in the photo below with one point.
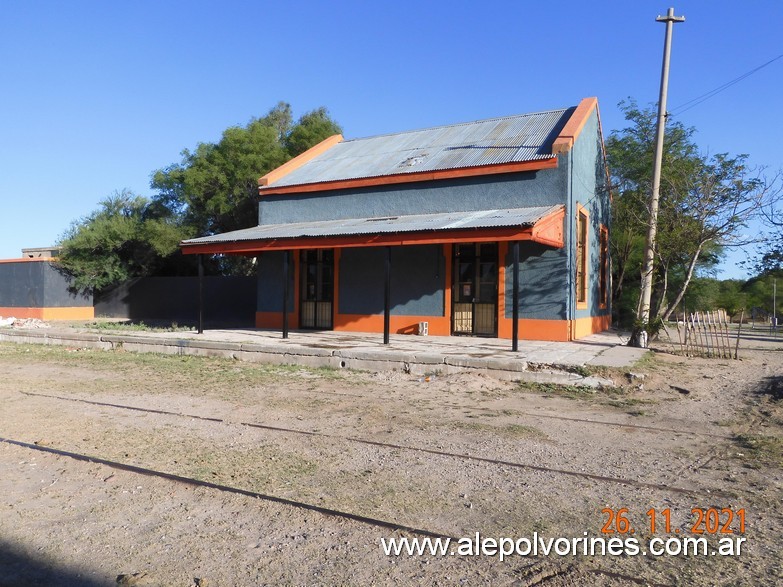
(630, 159)
(770, 254)
(125, 237)
(758, 293)
(705, 203)
(215, 187)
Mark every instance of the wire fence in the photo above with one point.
(707, 334)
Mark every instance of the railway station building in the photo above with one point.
(427, 231)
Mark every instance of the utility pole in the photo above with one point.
(640, 337)
(775, 306)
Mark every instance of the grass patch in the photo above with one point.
(568, 391)
(131, 326)
(506, 430)
(761, 450)
(647, 362)
(152, 371)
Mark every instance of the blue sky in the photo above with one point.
(97, 95)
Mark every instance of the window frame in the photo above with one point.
(582, 257)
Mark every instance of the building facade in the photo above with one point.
(419, 231)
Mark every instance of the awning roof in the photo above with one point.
(542, 224)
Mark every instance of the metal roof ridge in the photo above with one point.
(480, 121)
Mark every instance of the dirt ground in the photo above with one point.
(499, 458)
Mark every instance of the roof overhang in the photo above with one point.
(534, 165)
(543, 225)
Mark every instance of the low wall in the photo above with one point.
(228, 301)
(36, 288)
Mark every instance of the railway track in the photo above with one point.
(538, 577)
(389, 445)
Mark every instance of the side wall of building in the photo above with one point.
(35, 288)
(510, 190)
(590, 193)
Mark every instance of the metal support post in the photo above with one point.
(201, 294)
(515, 299)
(387, 298)
(285, 294)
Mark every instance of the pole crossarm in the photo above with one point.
(670, 17)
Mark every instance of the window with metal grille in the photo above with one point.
(581, 257)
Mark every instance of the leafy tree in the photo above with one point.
(212, 190)
(125, 237)
(630, 157)
(758, 292)
(770, 254)
(705, 203)
(715, 204)
(215, 187)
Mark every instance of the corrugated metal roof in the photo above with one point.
(512, 139)
(389, 224)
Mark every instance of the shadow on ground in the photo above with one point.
(22, 569)
(772, 387)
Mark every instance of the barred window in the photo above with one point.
(581, 257)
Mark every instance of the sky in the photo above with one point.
(98, 95)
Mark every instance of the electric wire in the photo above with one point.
(684, 107)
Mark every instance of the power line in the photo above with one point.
(699, 99)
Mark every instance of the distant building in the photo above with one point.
(441, 208)
(41, 252)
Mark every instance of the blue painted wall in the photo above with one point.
(37, 284)
(270, 282)
(511, 190)
(542, 290)
(589, 189)
(547, 276)
(417, 284)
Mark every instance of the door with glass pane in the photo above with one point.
(475, 290)
(316, 289)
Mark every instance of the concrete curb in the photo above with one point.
(511, 368)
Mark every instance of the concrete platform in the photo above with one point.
(555, 362)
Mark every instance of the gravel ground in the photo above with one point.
(449, 455)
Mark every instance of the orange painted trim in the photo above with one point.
(581, 210)
(555, 330)
(299, 160)
(23, 313)
(336, 284)
(590, 325)
(501, 305)
(438, 325)
(567, 137)
(29, 260)
(468, 235)
(64, 313)
(607, 174)
(536, 329)
(529, 329)
(411, 177)
(448, 286)
(274, 320)
(549, 230)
